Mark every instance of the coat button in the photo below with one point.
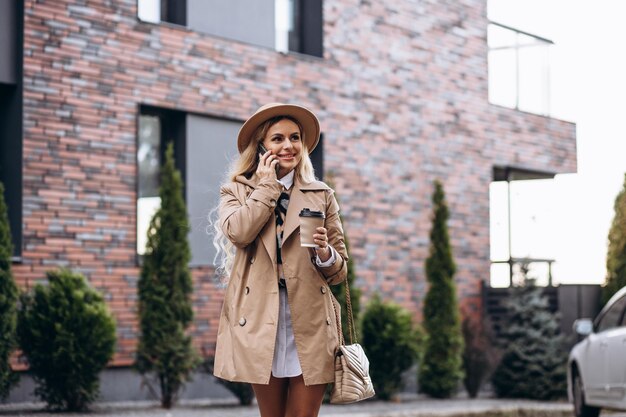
(252, 259)
(273, 202)
(242, 321)
(247, 290)
(323, 290)
(327, 321)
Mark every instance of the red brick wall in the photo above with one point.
(401, 94)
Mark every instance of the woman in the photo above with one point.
(279, 323)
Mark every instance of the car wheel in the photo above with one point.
(580, 408)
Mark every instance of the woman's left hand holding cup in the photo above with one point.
(321, 239)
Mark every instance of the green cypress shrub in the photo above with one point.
(68, 336)
(392, 344)
(442, 367)
(165, 287)
(616, 257)
(339, 291)
(8, 302)
(534, 357)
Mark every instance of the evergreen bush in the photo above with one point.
(480, 356)
(534, 357)
(165, 287)
(68, 336)
(391, 343)
(8, 302)
(442, 368)
(616, 256)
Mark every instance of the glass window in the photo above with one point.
(522, 230)
(12, 120)
(299, 26)
(284, 15)
(149, 162)
(533, 218)
(519, 69)
(500, 275)
(11, 156)
(499, 37)
(612, 317)
(149, 10)
(533, 80)
(157, 11)
(502, 78)
(499, 221)
(156, 127)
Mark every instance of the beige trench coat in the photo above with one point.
(249, 318)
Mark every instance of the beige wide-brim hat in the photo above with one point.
(308, 121)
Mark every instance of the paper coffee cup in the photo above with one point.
(310, 220)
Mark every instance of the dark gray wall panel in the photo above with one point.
(124, 384)
(312, 28)
(211, 145)
(576, 302)
(250, 21)
(8, 42)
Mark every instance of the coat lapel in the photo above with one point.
(268, 237)
(268, 233)
(296, 204)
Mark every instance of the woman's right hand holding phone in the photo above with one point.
(267, 166)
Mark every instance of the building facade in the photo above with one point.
(91, 90)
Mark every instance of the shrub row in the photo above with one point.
(67, 334)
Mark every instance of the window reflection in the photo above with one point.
(148, 161)
(612, 316)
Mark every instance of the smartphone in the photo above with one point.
(262, 149)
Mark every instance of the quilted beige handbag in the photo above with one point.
(352, 368)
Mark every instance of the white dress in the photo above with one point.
(286, 363)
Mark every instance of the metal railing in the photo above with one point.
(517, 278)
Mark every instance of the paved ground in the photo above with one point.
(413, 408)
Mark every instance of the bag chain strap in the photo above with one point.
(339, 332)
(351, 327)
